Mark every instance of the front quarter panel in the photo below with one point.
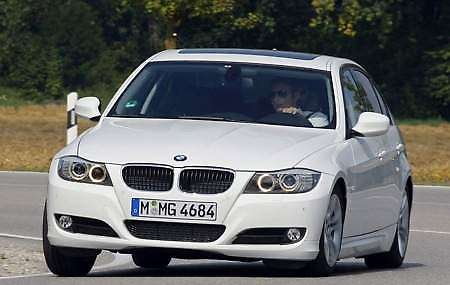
(332, 160)
(335, 161)
(72, 148)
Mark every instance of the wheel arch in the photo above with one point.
(341, 184)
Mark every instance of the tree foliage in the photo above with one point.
(48, 47)
(221, 15)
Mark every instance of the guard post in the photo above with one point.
(72, 126)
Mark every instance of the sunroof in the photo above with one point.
(260, 52)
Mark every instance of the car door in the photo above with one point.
(387, 194)
(368, 180)
(394, 143)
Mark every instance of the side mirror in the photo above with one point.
(89, 108)
(371, 124)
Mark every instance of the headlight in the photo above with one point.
(285, 181)
(73, 168)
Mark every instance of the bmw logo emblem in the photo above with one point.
(180, 157)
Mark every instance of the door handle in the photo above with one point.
(399, 149)
(381, 154)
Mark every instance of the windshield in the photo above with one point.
(229, 92)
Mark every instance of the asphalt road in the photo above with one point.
(427, 262)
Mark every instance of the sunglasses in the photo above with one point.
(279, 93)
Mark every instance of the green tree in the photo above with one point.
(29, 61)
(173, 15)
(438, 80)
(48, 47)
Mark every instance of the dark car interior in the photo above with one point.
(228, 91)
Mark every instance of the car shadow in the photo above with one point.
(237, 269)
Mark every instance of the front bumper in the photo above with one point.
(240, 212)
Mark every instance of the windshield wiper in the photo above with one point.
(208, 118)
(205, 118)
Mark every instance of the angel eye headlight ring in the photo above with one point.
(294, 180)
(266, 183)
(289, 182)
(97, 173)
(78, 170)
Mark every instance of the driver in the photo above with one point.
(285, 99)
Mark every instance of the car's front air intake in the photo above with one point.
(187, 232)
(268, 236)
(205, 181)
(148, 178)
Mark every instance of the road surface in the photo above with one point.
(428, 259)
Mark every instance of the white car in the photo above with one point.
(289, 158)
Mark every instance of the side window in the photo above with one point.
(355, 103)
(384, 107)
(367, 88)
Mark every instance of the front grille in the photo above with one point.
(205, 181)
(148, 178)
(174, 231)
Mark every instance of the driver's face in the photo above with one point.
(283, 96)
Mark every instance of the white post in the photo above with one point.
(72, 127)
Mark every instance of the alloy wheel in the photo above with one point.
(333, 230)
(403, 225)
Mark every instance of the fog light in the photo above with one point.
(294, 234)
(65, 222)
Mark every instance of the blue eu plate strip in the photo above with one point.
(135, 207)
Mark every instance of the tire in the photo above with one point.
(151, 259)
(325, 262)
(62, 264)
(395, 256)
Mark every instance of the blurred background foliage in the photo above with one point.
(50, 47)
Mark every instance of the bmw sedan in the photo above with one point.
(288, 158)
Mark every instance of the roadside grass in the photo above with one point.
(11, 97)
(30, 135)
(416, 122)
(428, 149)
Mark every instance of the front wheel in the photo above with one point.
(331, 238)
(395, 256)
(60, 263)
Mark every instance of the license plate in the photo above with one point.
(188, 210)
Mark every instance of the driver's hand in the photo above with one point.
(290, 110)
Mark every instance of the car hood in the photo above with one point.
(238, 146)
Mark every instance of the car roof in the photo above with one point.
(261, 52)
(257, 56)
